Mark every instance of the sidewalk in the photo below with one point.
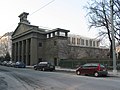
(111, 73)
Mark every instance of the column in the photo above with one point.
(34, 51)
(28, 44)
(18, 51)
(22, 51)
(26, 61)
(20, 48)
(14, 52)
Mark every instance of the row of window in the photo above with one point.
(83, 42)
(56, 34)
(78, 41)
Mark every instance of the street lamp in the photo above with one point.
(113, 39)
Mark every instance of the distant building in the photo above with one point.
(5, 44)
(84, 47)
(78, 40)
(32, 44)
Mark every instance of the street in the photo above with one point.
(29, 79)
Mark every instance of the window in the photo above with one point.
(47, 35)
(73, 40)
(56, 34)
(86, 65)
(40, 44)
(97, 43)
(62, 34)
(90, 42)
(94, 43)
(51, 35)
(86, 42)
(55, 43)
(78, 41)
(82, 41)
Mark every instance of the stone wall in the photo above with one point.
(77, 52)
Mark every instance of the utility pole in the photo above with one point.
(113, 39)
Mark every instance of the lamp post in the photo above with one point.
(113, 39)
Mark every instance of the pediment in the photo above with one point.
(21, 28)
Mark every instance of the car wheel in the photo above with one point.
(43, 69)
(96, 74)
(35, 68)
(78, 72)
(51, 70)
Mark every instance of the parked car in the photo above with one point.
(44, 66)
(19, 64)
(94, 69)
(118, 66)
(9, 63)
(4, 63)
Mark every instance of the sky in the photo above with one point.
(65, 14)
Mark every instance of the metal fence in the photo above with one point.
(75, 63)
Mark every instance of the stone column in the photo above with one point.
(26, 52)
(34, 51)
(22, 50)
(18, 51)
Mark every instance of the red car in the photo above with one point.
(94, 69)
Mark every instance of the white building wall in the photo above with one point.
(84, 41)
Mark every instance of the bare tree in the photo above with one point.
(3, 47)
(72, 52)
(99, 17)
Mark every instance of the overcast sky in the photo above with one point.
(66, 14)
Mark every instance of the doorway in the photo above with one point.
(55, 61)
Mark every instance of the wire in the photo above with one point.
(42, 7)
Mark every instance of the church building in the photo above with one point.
(31, 44)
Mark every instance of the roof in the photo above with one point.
(58, 29)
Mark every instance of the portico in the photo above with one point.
(31, 44)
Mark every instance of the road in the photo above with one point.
(29, 79)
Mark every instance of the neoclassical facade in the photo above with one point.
(31, 44)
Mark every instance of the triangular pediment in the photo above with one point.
(21, 28)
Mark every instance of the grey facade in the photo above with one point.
(32, 44)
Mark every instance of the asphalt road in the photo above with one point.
(29, 79)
